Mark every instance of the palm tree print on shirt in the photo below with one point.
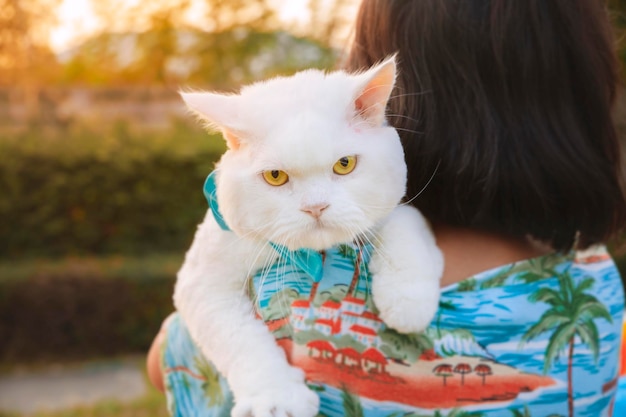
(572, 313)
(211, 385)
(356, 255)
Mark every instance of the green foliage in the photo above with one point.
(499, 279)
(280, 304)
(572, 313)
(305, 336)
(211, 385)
(351, 405)
(335, 293)
(406, 347)
(526, 413)
(222, 60)
(347, 341)
(521, 413)
(83, 307)
(540, 268)
(75, 191)
(468, 284)
(455, 412)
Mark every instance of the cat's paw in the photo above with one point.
(288, 398)
(294, 401)
(407, 307)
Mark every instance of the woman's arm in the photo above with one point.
(153, 361)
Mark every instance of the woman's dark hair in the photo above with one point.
(504, 110)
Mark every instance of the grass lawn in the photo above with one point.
(152, 404)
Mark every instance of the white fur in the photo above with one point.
(406, 267)
(302, 125)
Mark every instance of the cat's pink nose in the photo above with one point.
(315, 210)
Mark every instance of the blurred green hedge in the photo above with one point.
(82, 190)
(85, 214)
(80, 308)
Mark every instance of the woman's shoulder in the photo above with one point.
(477, 260)
(469, 252)
(594, 263)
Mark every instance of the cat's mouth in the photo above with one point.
(319, 235)
(319, 224)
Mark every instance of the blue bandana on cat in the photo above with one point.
(308, 260)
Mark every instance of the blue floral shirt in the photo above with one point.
(538, 338)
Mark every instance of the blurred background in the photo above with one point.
(101, 172)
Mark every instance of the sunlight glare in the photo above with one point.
(293, 10)
(76, 22)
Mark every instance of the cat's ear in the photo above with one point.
(375, 86)
(220, 111)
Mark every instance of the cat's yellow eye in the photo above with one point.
(275, 177)
(345, 165)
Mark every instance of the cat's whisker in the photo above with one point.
(358, 123)
(267, 270)
(282, 278)
(261, 247)
(358, 116)
(377, 86)
(285, 308)
(249, 284)
(364, 248)
(249, 280)
(421, 93)
(240, 237)
(409, 130)
(362, 111)
(364, 244)
(384, 207)
(376, 243)
(264, 268)
(402, 116)
(424, 187)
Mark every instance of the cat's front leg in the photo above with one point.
(211, 300)
(407, 266)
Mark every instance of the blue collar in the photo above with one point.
(308, 260)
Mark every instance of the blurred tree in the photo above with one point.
(25, 56)
(329, 19)
(154, 53)
(225, 15)
(216, 43)
(26, 61)
(144, 51)
(238, 28)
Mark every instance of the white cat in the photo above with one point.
(311, 163)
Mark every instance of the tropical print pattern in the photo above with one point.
(620, 399)
(538, 338)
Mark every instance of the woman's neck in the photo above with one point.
(468, 251)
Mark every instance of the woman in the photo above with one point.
(504, 109)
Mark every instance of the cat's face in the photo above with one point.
(310, 162)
